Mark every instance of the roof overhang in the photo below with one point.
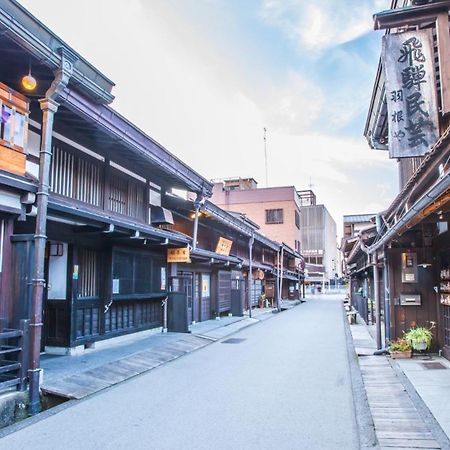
(62, 210)
(44, 45)
(400, 17)
(123, 133)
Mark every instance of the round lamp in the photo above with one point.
(29, 82)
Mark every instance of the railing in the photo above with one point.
(14, 357)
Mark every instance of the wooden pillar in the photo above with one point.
(443, 48)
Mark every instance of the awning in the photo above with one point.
(215, 257)
(98, 218)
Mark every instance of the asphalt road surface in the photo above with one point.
(286, 385)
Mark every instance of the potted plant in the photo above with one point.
(400, 349)
(262, 301)
(419, 338)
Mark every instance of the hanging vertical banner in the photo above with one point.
(411, 95)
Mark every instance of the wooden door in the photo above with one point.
(224, 291)
(196, 306)
(56, 306)
(205, 296)
(188, 287)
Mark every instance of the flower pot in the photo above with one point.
(421, 346)
(401, 355)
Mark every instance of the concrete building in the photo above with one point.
(286, 215)
(318, 239)
(276, 209)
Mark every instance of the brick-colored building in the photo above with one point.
(275, 209)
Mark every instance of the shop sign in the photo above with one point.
(411, 95)
(205, 286)
(178, 255)
(259, 275)
(224, 246)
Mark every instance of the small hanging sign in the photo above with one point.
(224, 246)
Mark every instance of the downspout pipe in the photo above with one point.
(280, 279)
(387, 297)
(439, 188)
(250, 273)
(199, 201)
(49, 106)
(376, 280)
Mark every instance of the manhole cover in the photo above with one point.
(233, 341)
(433, 365)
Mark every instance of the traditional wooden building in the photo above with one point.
(89, 219)
(212, 274)
(413, 238)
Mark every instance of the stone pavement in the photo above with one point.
(401, 419)
(114, 361)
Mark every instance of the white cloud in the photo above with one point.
(324, 23)
(294, 106)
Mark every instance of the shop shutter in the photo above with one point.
(224, 291)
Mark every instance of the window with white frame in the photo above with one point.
(13, 118)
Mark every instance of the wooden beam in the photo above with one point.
(411, 15)
(443, 48)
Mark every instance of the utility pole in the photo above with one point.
(265, 156)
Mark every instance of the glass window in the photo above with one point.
(137, 273)
(297, 219)
(19, 129)
(123, 272)
(274, 216)
(154, 197)
(6, 123)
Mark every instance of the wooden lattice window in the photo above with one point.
(126, 196)
(76, 177)
(88, 275)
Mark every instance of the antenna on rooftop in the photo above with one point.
(265, 156)
(310, 184)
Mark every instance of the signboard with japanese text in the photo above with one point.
(224, 246)
(178, 255)
(410, 93)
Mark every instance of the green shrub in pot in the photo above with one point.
(419, 338)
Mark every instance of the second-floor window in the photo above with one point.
(297, 219)
(76, 177)
(274, 216)
(126, 196)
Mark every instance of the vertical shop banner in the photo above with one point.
(411, 96)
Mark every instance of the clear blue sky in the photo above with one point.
(203, 77)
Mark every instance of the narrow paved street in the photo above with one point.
(285, 384)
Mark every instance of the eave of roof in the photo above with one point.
(38, 40)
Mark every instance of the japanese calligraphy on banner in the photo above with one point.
(410, 93)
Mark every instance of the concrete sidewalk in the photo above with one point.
(404, 397)
(431, 380)
(117, 360)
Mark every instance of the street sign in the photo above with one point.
(178, 255)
